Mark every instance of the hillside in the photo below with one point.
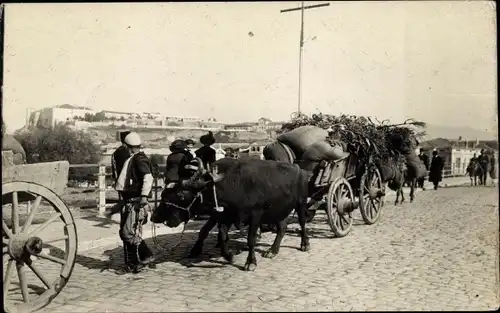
(436, 131)
(161, 138)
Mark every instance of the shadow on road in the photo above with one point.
(176, 247)
(103, 222)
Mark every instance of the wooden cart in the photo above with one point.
(342, 186)
(35, 247)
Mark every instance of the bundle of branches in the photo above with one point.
(402, 138)
(389, 141)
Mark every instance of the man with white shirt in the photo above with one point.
(134, 183)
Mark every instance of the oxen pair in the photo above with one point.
(246, 192)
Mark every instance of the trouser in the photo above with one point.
(436, 184)
(420, 182)
(134, 247)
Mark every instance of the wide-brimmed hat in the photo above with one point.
(207, 139)
(178, 145)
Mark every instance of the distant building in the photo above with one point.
(240, 126)
(49, 117)
(261, 124)
(457, 153)
(117, 115)
(266, 124)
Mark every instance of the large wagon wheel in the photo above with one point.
(21, 243)
(339, 207)
(371, 195)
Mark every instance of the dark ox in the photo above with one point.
(252, 192)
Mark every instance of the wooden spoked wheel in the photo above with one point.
(339, 207)
(371, 195)
(23, 247)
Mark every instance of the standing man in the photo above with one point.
(118, 158)
(134, 183)
(436, 170)
(207, 153)
(484, 162)
(190, 146)
(177, 160)
(425, 159)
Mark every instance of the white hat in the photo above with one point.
(133, 140)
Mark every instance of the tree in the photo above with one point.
(61, 143)
(99, 117)
(58, 144)
(88, 117)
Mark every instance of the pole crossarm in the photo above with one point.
(301, 45)
(306, 7)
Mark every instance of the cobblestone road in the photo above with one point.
(439, 253)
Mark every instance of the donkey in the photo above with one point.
(396, 175)
(475, 170)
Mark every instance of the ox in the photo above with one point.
(251, 192)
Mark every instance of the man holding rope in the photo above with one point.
(134, 183)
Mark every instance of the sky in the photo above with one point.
(434, 61)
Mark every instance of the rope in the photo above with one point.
(155, 241)
(153, 225)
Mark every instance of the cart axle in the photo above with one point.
(375, 193)
(21, 246)
(346, 205)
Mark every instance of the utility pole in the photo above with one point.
(302, 8)
(2, 36)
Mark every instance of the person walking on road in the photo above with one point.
(436, 169)
(484, 162)
(134, 183)
(425, 159)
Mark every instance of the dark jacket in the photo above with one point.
(484, 161)
(425, 159)
(118, 158)
(175, 170)
(138, 166)
(436, 170)
(206, 154)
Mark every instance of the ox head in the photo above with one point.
(178, 204)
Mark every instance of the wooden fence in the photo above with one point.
(102, 172)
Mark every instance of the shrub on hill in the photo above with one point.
(62, 143)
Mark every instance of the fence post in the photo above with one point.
(101, 201)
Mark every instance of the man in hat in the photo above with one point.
(134, 183)
(425, 159)
(436, 169)
(484, 162)
(177, 160)
(118, 158)
(206, 153)
(190, 146)
(120, 155)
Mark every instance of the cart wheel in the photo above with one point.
(371, 195)
(22, 248)
(340, 204)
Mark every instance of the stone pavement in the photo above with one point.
(95, 231)
(438, 253)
